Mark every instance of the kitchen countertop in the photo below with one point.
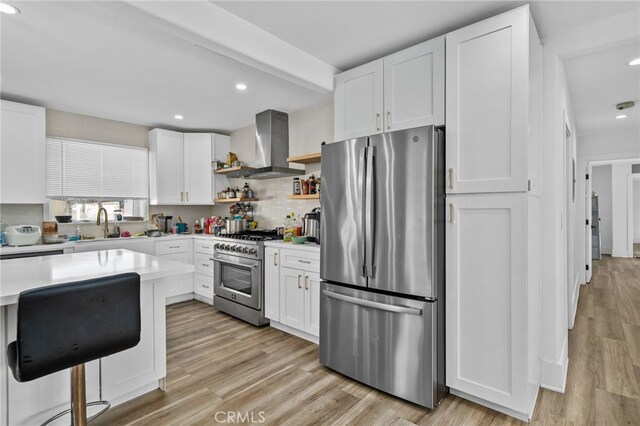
(18, 275)
(313, 247)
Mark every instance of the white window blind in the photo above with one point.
(92, 170)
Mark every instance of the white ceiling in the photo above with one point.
(104, 60)
(349, 33)
(86, 58)
(600, 80)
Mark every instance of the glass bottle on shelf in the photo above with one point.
(296, 186)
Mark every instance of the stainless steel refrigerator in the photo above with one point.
(382, 262)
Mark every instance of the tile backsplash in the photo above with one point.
(273, 204)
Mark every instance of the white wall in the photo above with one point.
(554, 340)
(308, 128)
(620, 209)
(636, 212)
(601, 185)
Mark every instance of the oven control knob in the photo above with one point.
(226, 247)
(245, 250)
(217, 246)
(234, 248)
(253, 251)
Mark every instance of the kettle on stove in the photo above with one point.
(311, 228)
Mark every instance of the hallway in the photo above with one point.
(603, 383)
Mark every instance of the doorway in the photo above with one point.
(569, 208)
(634, 213)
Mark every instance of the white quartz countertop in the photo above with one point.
(313, 247)
(18, 275)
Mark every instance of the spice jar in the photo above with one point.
(296, 186)
(231, 193)
(312, 184)
(305, 186)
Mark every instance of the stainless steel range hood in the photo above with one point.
(272, 148)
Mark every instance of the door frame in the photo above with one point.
(569, 196)
(632, 177)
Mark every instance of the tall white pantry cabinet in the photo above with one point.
(493, 161)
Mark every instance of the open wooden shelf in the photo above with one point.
(232, 169)
(305, 197)
(234, 200)
(305, 159)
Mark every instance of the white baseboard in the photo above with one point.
(294, 331)
(525, 417)
(620, 253)
(202, 299)
(177, 299)
(553, 375)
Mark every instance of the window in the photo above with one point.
(87, 211)
(83, 176)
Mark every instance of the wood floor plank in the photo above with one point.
(220, 366)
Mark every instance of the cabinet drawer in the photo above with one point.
(167, 247)
(203, 265)
(305, 260)
(203, 285)
(204, 247)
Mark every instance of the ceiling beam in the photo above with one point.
(212, 28)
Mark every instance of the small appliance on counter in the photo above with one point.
(22, 235)
(311, 228)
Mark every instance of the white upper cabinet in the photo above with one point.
(487, 107)
(180, 167)
(414, 86)
(166, 163)
(22, 154)
(197, 168)
(400, 91)
(358, 101)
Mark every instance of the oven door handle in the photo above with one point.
(228, 262)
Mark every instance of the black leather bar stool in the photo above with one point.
(66, 325)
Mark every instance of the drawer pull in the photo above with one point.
(174, 246)
(205, 286)
(206, 265)
(304, 261)
(206, 247)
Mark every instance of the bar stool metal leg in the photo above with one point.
(78, 397)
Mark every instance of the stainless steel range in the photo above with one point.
(239, 274)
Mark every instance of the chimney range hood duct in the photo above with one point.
(272, 148)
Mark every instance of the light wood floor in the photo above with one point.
(219, 364)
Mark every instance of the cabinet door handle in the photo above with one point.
(182, 196)
(205, 286)
(187, 196)
(377, 121)
(450, 212)
(206, 247)
(299, 285)
(306, 283)
(174, 246)
(275, 259)
(304, 261)
(450, 178)
(206, 265)
(388, 120)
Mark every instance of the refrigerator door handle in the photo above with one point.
(374, 305)
(361, 227)
(369, 213)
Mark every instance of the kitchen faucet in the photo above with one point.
(106, 221)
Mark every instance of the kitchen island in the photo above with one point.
(117, 378)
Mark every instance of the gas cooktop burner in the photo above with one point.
(255, 235)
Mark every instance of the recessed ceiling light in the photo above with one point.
(621, 116)
(635, 62)
(8, 9)
(241, 86)
(178, 117)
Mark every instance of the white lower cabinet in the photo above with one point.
(203, 277)
(492, 304)
(292, 294)
(180, 251)
(272, 283)
(134, 368)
